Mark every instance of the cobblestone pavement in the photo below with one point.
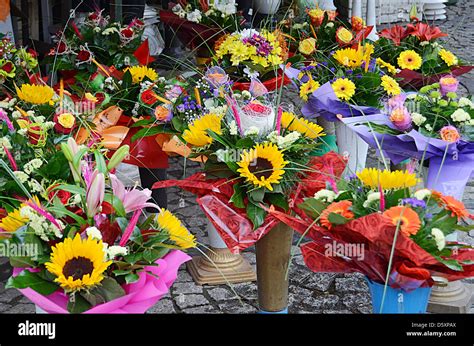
(326, 293)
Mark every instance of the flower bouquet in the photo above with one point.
(199, 24)
(252, 54)
(89, 253)
(373, 223)
(433, 126)
(414, 54)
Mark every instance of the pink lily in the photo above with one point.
(4, 117)
(10, 158)
(278, 120)
(132, 199)
(95, 193)
(129, 230)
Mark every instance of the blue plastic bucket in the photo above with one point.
(398, 301)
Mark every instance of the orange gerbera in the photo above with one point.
(409, 221)
(457, 208)
(341, 208)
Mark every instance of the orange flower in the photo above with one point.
(341, 208)
(457, 208)
(449, 134)
(409, 221)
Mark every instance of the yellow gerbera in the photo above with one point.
(307, 88)
(36, 94)
(177, 232)
(390, 85)
(410, 60)
(390, 68)
(291, 122)
(449, 58)
(387, 180)
(77, 263)
(263, 165)
(349, 57)
(140, 72)
(197, 134)
(13, 220)
(344, 88)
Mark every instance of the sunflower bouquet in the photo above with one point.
(90, 252)
(250, 54)
(414, 54)
(402, 232)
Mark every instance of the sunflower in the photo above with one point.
(387, 180)
(140, 72)
(340, 208)
(262, 165)
(78, 263)
(36, 94)
(197, 134)
(291, 122)
(407, 218)
(308, 88)
(13, 220)
(344, 88)
(390, 85)
(390, 68)
(410, 60)
(349, 57)
(177, 232)
(449, 58)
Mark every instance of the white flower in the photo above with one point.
(35, 186)
(428, 127)
(219, 110)
(21, 176)
(22, 132)
(115, 250)
(97, 29)
(330, 25)
(247, 33)
(39, 119)
(439, 238)
(233, 129)
(273, 136)
(424, 43)
(411, 96)
(33, 165)
(460, 115)
(417, 118)
(298, 26)
(246, 94)
(94, 233)
(251, 73)
(16, 115)
(325, 195)
(194, 16)
(252, 131)
(177, 8)
(422, 194)
(289, 139)
(371, 198)
(5, 142)
(465, 102)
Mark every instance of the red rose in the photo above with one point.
(35, 134)
(93, 16)
(127, 32)
(33, 53)
(137, 23)
(8, 67)
(64, 123)
(148, 97)
(61, 194)
(83, 55)
(61, 48)
(100, 97)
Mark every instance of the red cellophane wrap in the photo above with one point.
(192, 35)
(213, 196)
(416, 80)
(271, 84)
(412, 266)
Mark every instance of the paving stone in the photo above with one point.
(351, 284)
(319, 281)
(190, 300)
(359, 301)
(186, 287)
(246, 290)
(220, 294)
(237, 307)
(183, 276)
(22, 309)
(205, 309)
(9, 295)
(164, 306)
(337, 312)
(328, 301)
(297, 295)
(250, 256)
(4, 307)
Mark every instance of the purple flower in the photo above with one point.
(448, 84)
(4, 117)
(359, 76)
(349, 72)
(415, 203)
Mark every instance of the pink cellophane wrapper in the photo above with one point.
(140, 295)
(232, 223)
(416, 80)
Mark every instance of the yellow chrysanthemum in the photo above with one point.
(291, 122)
(36, 94)
(349, 57)
(140, 72)
(390, 85)
(13, 220)
(197, 134)
(449, 58)
(410, 60)
(263, 165)
(177, 232)
(390, 68)
(344, 88)
(387, 180)
(308, 88)
(78, 264)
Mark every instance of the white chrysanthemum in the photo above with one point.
(422, 194)
(194, 16)
(5, 142)
(460, 115)
(252, 131)
(94, 233)
(439, 238)
(35, 186)
(33, 165)
(233, 129)
(330, 25)
(325, 195)
(428, 127)
(115, 250)
(465, 102)
(289, 139)
(417, 118)
(371, 198)
(21, 176)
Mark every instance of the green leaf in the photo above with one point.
(238, 197)
(116, 204)
(78, 157)
(146, 132)
(78, 304)
(256, 195)
(278, 200)
(131, 278)
(152, 255)
(245, 143)
(119, 272)
(451, 264)
(218, 138)
(27, 279)
(76, 190)
(255, 214)
(312, 207)
(100, 162)
(337, 219)
(21, 262)
(133, 257)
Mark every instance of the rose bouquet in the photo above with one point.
(252, 54)
(414, 54)
(90, 253)
(401, 233)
